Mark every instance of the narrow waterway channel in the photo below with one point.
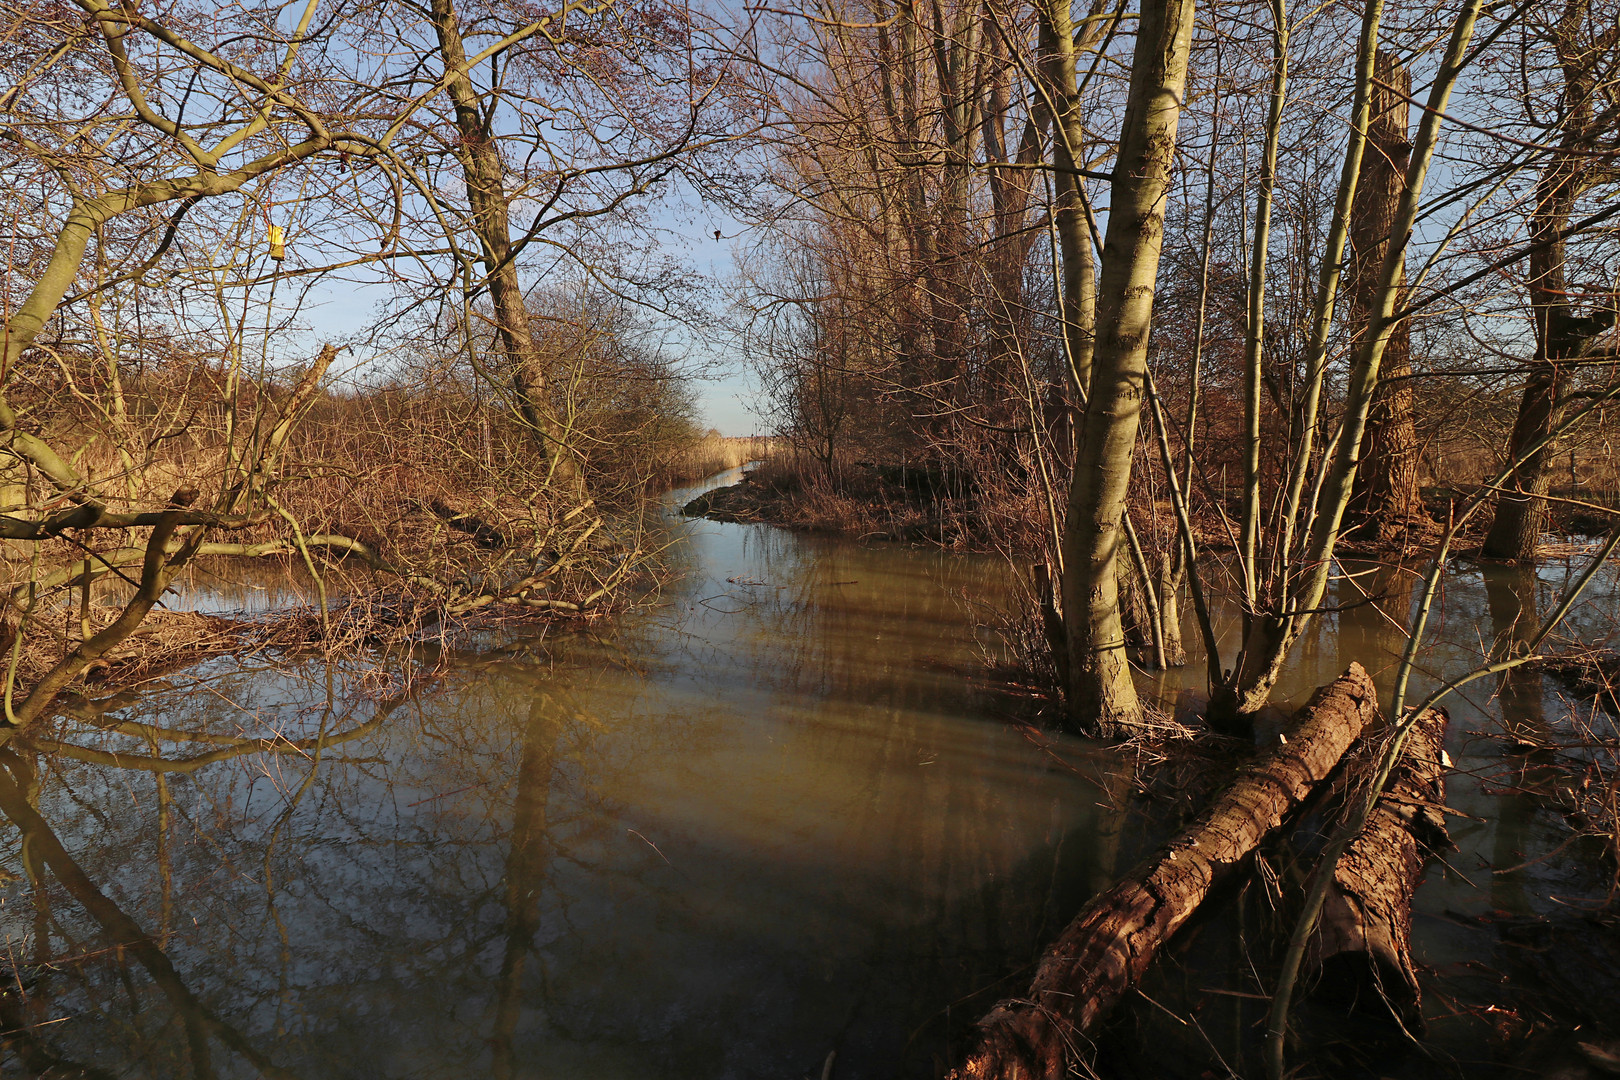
(778, 815)
(773, 817)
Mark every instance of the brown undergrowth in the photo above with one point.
(430, 505)
(866, 502)
(388, 627)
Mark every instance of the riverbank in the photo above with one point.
(875, 503)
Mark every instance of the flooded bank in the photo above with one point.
(772, 817)
(778, 815)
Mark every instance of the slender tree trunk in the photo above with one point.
(1385, 503)
(1079, 283)
(1269, 638)
(1102, 697)
(485, 176)
(1171, 572)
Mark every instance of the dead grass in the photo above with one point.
(714, 453)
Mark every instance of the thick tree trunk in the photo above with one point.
(1385, 503)
(1102, 697)
(1108, 946)
(1521, 510)
(1362, 947)
(1560, 333)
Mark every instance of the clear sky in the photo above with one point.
(726, 394)
(729, 396)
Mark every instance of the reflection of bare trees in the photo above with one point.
(525, 873)
(1375, 601)
(591, 856)
(200, 1025)
(1511, 597)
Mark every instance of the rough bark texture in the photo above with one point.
(1362, 947)
(1561, 333)
(1102, 697)
(1108, 946)
(1385, 503)
(1520, 511)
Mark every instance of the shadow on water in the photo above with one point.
(772, 817)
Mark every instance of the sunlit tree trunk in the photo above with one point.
(1078, 287)
(1385, 503)
(1561, 334)
(1269, 637)
(1102, 697)
(485, 175)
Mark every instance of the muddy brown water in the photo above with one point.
(779, 815)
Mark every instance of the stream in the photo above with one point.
(778, 815)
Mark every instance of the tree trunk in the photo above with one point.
(1269, 638)
(485, 174)
(1171, 572)
(1560, 333)
(1521, 509)
(1385, 502)
(1362, 946)
(1108, 946)
(1102, 697)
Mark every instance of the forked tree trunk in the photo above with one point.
(1108, 946)
(1561, 334)
(1385, 502)
(1102, 697)
(1270, 636)
(1362, 947)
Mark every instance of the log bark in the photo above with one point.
(1108, 946)
(1362, 947)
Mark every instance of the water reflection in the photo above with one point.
(774, 817)
(723, 838)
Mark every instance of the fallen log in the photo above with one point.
(1108, 946)
(1361, 949)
